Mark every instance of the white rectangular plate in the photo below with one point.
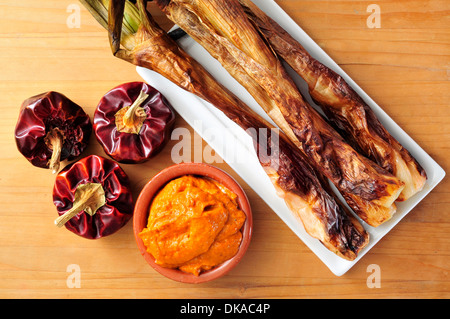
(205, 119)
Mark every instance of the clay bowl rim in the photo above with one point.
(145, 198)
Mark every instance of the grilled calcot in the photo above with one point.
(305, 190)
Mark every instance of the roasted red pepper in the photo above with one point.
(51, 128)
(132, 122)
(93, 197)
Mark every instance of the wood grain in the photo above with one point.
(403, 66)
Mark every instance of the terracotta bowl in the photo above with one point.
(145, 198)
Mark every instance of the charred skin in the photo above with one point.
(247, 57)
(345, 109)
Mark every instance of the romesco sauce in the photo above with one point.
(194, 225)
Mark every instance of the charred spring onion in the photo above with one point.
(342, 105)
(304, 190)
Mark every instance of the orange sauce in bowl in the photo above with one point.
(194, 224)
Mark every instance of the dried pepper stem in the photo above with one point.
(88, 197)
(129, 119)
(54, 141)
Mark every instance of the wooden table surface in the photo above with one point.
(403, 65)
